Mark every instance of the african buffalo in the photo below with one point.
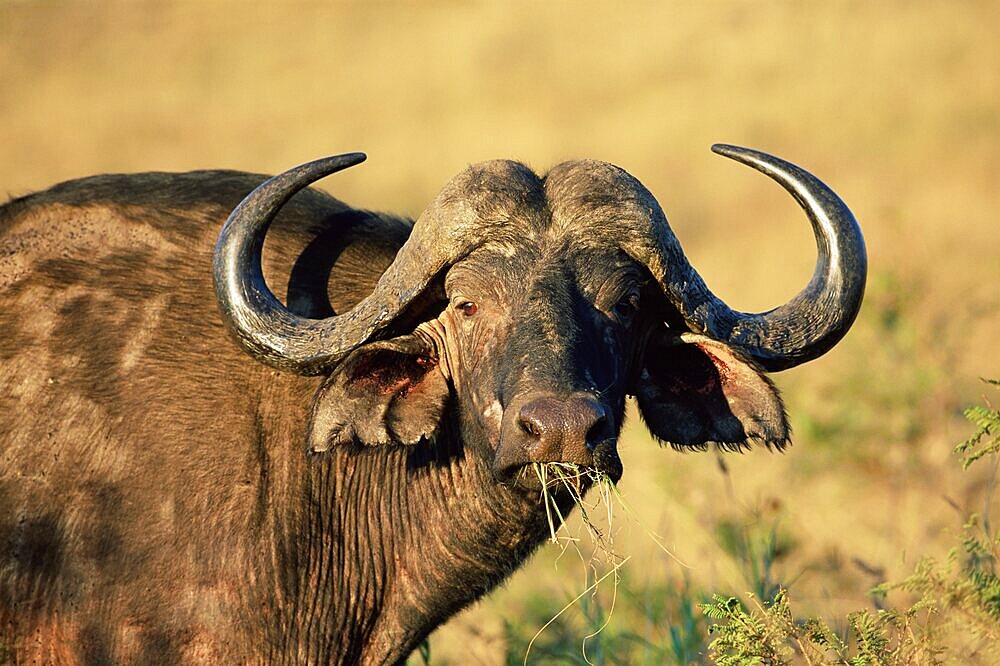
(167, 496)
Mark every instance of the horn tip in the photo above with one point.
(729, 150)
(753, 158)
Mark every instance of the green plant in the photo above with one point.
(744, 637)
(756, 543)
(986, 440)
(965, 588)
(767, 633)
(956, 615)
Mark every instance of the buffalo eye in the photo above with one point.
(626, 308)
(467, 308)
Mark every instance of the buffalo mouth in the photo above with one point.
(558, 474)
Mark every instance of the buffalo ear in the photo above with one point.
(695, 391)
(389, 392)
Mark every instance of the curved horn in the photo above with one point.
(274, 335)
(815, 319)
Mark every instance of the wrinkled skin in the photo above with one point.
(570, 325)
(166, 499)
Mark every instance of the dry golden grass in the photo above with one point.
(895, 105)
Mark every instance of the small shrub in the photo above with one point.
(955, 619)
(767, 634)
(986, 440)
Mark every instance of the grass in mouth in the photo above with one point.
(575, 480)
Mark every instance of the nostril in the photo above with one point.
(598, 432)
(529, 427)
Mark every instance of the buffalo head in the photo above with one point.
(527, 308)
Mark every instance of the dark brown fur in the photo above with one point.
(145, 513)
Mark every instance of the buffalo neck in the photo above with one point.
(391, 541)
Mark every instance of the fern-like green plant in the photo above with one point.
(768, 634)
(746, 637)
(964, 591)
(956, 618)
(986, 440)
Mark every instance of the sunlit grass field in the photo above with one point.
(895, 105)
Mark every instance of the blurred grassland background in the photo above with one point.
(895, 105)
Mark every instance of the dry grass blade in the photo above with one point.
(575, 599)
(612, 491)
(574, 481)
